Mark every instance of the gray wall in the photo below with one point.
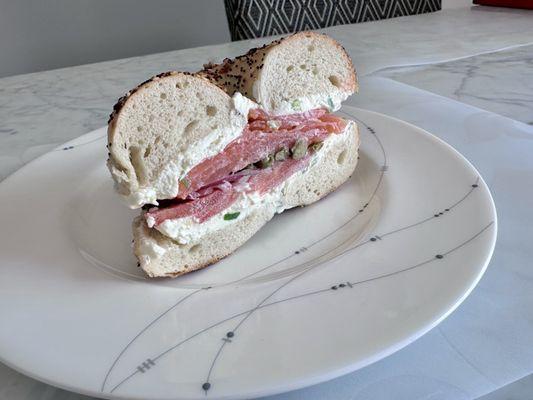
(37, 35)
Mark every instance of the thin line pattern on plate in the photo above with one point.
(143, 367)
(332, 288)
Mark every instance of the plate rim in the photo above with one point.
(319, 377)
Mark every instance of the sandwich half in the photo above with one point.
(213, 156)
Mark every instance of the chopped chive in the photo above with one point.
(299, 150)
(281, 155)
(230, 216)
(185, 182)
(330, 104)
(296, 105)
(265, 162)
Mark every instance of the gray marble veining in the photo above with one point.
(42, 110)
(501, 82)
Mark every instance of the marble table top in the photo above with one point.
(501, 82)
(407, 70)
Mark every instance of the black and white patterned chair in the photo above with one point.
(257, 18)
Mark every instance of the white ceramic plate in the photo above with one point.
(318, 292)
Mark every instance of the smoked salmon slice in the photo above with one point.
(217, 182)
(262, 136)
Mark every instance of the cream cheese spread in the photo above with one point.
(188, 230)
